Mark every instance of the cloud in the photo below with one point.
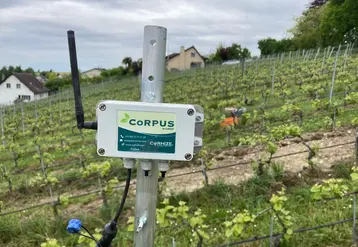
(33, 32)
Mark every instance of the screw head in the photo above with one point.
(196, 143)
(101, 151)
(188, 156)
(190, 112)
(102, 107)
(150, 96)
(198, 118)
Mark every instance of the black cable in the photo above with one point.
(125, 193)
(87, 237)
(110, 230)
(89, 233)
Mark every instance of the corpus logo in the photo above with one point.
(146, 122)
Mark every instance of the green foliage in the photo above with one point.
(41, 180)
(339, 22)
(355, 122)
(233, 52)
(324, 23)
(110, 185)
(307, 33)
(283, 131)
(8, 70)
(64, 199)
(352, 98)
(177, 215)
(235, 227)
(283, 215)
(271, 46)
(330, 188)
(320, 104)
(86, 242)
(51, 242)
(101, 169)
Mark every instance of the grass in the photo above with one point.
(218, 201)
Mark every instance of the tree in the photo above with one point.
(18, 69)
(52, 76)
(3, 73)
(317, 3)
(339, 22)
(326, 23)
(245, 53)
(30, 70)
(140, 62)
(235, 51)
(10, 70)
(307, 32)
(127, 61)
(135, 68)
(272, 46)
(267, 46)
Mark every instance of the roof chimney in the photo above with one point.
(182, 58)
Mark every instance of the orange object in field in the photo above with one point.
(229, 121)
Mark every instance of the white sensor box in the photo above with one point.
(141, 130)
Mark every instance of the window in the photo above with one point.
(25, 97)
(8, 85)
(195, 65)
(18, 85)
(193, 54)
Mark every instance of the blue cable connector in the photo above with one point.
(74, 226)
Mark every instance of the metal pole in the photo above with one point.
(317, 54)
(151, 92)
(345, 57)
(2, 127)
(334, 75)
(271, 231)
(323, 61)
(22, 118)
(50, 108)
(357, 146)
(273, 77)
(37, 117)
(354, 220)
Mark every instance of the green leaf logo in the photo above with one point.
(126, 118)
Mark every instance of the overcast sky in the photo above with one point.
(33, 32)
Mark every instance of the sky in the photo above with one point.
(33, 33)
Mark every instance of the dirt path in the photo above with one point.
(294, 163)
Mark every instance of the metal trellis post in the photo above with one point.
(334, 75)
(354, 234)
(152, 92)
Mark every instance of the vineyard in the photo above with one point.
(283, 176)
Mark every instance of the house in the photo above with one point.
(186, 59)
(21, 86)
(41, 78)
(92, 72)
(61, 75)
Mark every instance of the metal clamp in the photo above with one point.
(141, 223)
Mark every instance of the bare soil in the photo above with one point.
(233, 165)
(240, 159)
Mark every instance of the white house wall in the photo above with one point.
(8, 95)
(41, 96)
(92, 73)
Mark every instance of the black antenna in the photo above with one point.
(81, 124)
